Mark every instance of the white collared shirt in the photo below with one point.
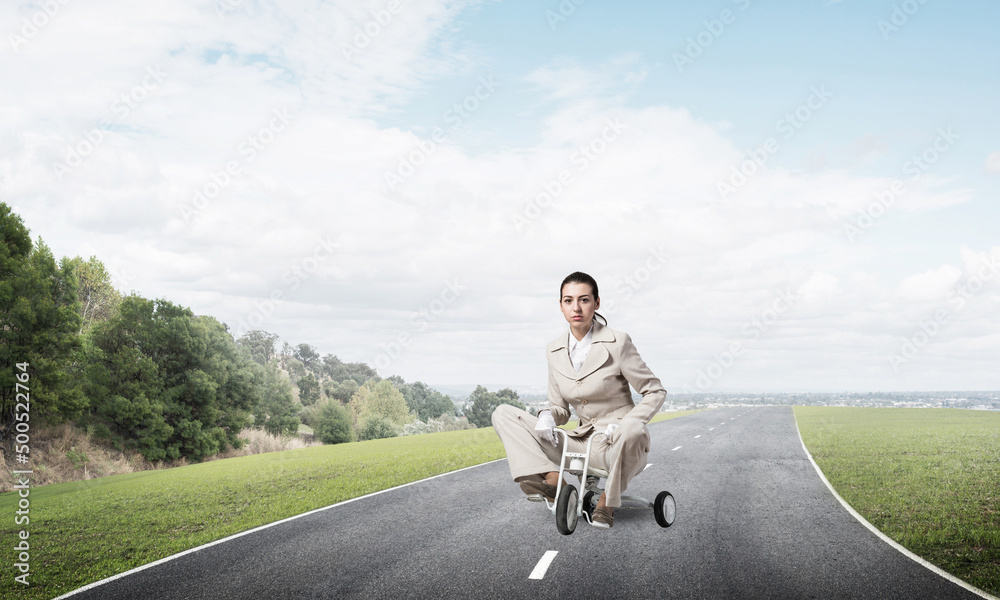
(578, 349)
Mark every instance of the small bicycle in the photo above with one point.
(569, 505)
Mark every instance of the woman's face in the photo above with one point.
(578, 305)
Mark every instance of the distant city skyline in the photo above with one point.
(772, 198)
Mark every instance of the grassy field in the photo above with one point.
(927, 478)
(87, 530)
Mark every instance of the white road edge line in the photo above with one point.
(543, 564)
(920, 561)
(677, 448)
(155, 563)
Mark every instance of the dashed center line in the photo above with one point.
(543, 565)
(677, 448)
(697, 436)
(711, 428)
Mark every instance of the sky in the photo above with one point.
(773, 197)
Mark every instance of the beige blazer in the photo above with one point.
(600, 391)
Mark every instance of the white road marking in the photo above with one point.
(543, 565)
(676, 449)
(697, 436)
(711, 428)
(647, 466)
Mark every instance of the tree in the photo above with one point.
(296, 370)
(39, 326)
(426, 402)
(376, 428)
(98, 296)
(405, 389)
(482, 403)
(168, 383)
(330, 364)
(259, 344)
(379, 399)
(308, 355)
(511, 396)
(333, 424)
(341, 391)
(274, 410)
(285, 354)
(340, 371)
(308, 390)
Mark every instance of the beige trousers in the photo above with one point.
(622, 455)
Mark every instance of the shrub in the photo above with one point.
(446, 422)
(333, 424)
(376, 428)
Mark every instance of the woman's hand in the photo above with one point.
(546, 428)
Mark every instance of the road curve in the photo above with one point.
(754, 520)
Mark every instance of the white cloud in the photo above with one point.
(633, 182)
(992, 164)
(929, 286)
(820, 289)
(566, 80)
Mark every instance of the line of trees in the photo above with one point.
(349, 401)
(152, 376)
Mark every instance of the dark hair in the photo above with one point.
(581, 277)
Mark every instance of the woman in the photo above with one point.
(590, 369)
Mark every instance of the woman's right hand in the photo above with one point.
(546, 428)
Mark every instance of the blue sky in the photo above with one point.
(893, 82)
(230, 156)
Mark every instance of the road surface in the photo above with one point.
(754, 520)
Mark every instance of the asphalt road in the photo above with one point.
(753, 521)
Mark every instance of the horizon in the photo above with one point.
(518, 389)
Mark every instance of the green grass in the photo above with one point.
(927, 478)
(84, 531)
